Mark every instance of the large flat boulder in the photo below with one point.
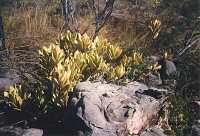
(97, 109)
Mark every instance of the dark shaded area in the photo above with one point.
(2, 38)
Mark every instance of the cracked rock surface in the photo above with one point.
(97, 109)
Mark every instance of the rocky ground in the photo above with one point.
(101, 109)
(96, 109)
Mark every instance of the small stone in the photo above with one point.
(153, 132)
(33, 132)
(17, 131)
(196, 129)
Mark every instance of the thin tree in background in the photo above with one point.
(69, 11)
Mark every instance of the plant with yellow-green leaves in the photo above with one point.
(113, 52)
(155, 27)
(18, 96)
(117, 72)
(72, 42)
(74, 58)
(50, 57)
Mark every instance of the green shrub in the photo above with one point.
(71, 59)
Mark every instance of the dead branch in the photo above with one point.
(102, 17)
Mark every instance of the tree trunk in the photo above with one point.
(69, 9)
(2, 39)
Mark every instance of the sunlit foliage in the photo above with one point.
(74, 58)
